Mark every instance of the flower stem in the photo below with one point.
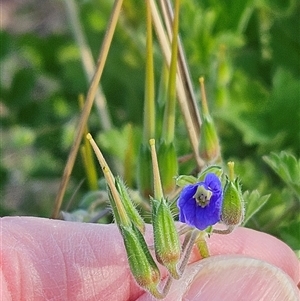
(191, 126)
(86, 154)
(149, 107)
(111, 183)
(225, 231)
(162, 293)
(187, 249)
(158, 192)
(183, 70)
(169, 117)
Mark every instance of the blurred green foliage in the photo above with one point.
(249, 54)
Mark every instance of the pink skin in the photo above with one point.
(45, 259)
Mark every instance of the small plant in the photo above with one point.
(208, 202)
(201, 205)
(202, 201)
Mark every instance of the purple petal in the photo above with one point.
(187, 193)
(213, 182)
(193, 214)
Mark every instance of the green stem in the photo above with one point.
(123, 217)
(149, 110)
(158, 191)
(192, 127)
(169, 117)
(87, 156)
(183, 70)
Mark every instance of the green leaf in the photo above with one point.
(290, 234)
(93, 199)
(287, 168)
(184, 180)
(115, 141)
(217, 170)
(282, 114)
(253, 203)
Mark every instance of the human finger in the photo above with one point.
(231, 278)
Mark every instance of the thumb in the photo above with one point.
(233, 278)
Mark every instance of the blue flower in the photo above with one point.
(200, 204)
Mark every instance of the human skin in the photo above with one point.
(44, 259)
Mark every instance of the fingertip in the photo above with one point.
(259, 245)
(239, 278)
(231, 278)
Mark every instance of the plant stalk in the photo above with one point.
(182, 98)
(88, 105)
(169, 118)
(149, 111)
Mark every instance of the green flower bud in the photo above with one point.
(168, 165)
(142, 265)
(166, 240)
(209, 148)
(233, 203)
(130, 209)
(209, 143)
(144, 172)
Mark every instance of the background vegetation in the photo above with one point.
(248, 52)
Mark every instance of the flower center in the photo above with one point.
(202, 196)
